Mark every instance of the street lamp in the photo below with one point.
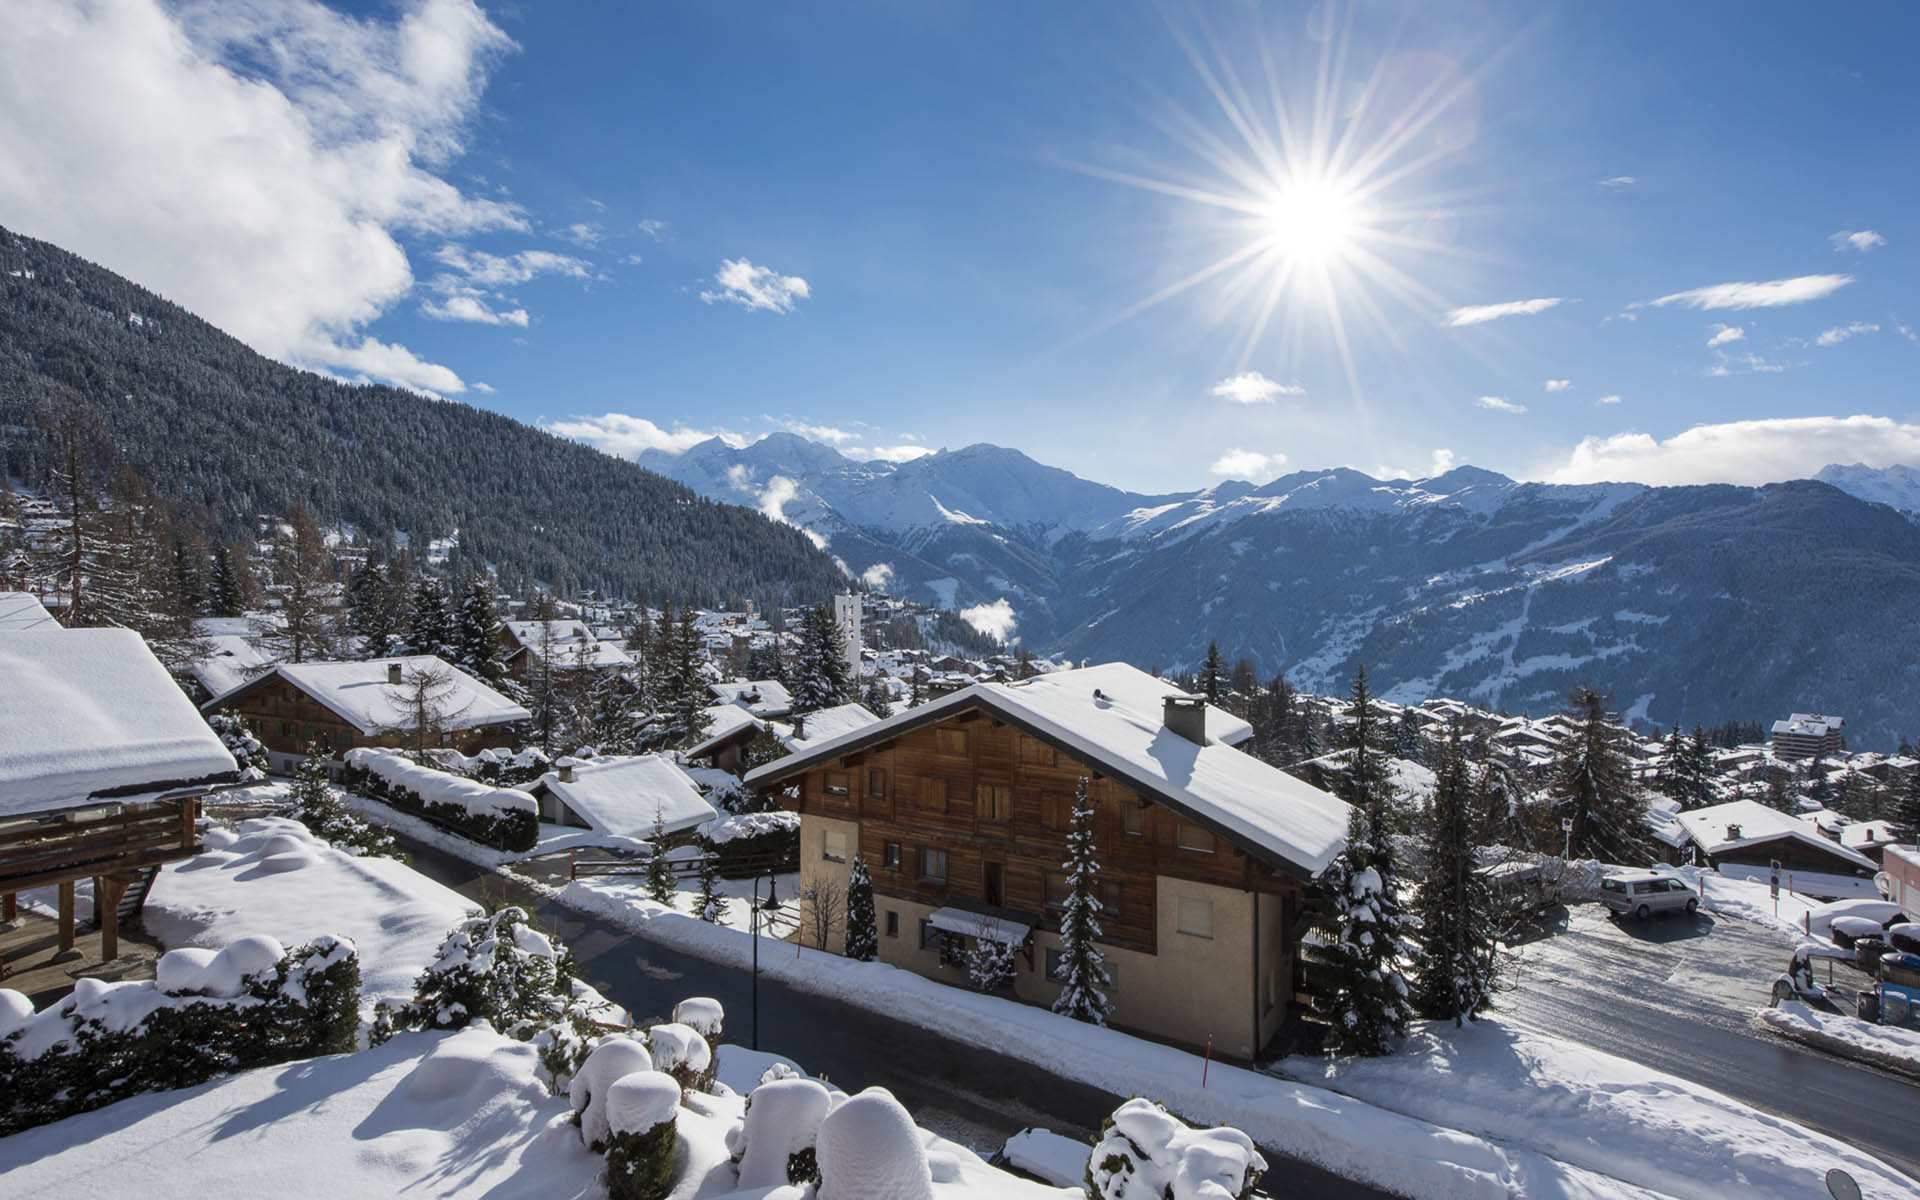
(772, 905)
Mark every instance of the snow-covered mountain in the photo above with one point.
(1895, 486)
(1691, 603)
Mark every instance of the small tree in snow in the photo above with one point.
(659, 870)
(1459, 948)
(862, 939)
(826, 906)
(1362, 994)
(989, 961)
(711, 905)
(1083, 975)
(238, 738)
(423, 704)
(317, 806)
(877, 697)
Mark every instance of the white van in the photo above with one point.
(1644, 893)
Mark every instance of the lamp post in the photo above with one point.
(753, 927)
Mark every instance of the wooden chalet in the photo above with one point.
(1745, 837)
(340, 705)
(103, 762)
(961, 810)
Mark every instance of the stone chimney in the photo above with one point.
(393, 674)
(1187, 716)
(1733, 833)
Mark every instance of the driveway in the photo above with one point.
(1676, 993)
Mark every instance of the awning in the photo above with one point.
(980, 925)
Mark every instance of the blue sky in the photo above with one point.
(903, 226)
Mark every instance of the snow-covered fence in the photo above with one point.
(746, 843)
(504, 818)
(205, 1013)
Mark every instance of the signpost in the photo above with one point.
(1566, 827)
(1774, 884)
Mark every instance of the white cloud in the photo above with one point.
(628, 436)
(821, 433)
(1744, 364)
(252, 162)
(1618, 182)
(879, 576)
(1722, 334)
(472, 308)
(773, 505)
(1444, 460)
(740, 282)
(1772, 294)
(1609, 399)
(1742, 452)
(1860, 239)
(477, 386)
(1840, 333)
(996, 620)
(652, 228)
(1480, 314)
(583, 233)
(1251, 387)
(1501, 404)
(1559, 385)
(1247, 464)
(633, 260)
(892, 454)
(477, 268)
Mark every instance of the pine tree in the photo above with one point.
(430, 625)
(1367, 783)
(820, 665)
(1362, 994)
(225, 595)
(863, 942)
(687, 717)
(711, 906)
(370, 610)
(877, 699)
(303, 581)
(1458, 961)
(476, 633)
(1906, 809)
(1593, 786)
(1083, 976)
(1213, 670)
(317, 806)
(659, 871)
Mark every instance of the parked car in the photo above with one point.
(1521, 890)
(1905, 937)
(1644, 893)
(1847, 931)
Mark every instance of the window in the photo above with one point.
(1195, 917)
(933, 795)
(950, 741)
(833, 845)
(1058, 889)
(1110, 897)
(893, 923)
(877, 783)
(1035, 752)
(1056, 810)
(890, 856)
(1133, 817)
(929, 936)
(834, 783)
(933, 865)
(1189, 836)
(286, 729)
(993, 802)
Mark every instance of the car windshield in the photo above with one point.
(1612, 885)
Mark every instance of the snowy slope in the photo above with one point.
(1895, 486)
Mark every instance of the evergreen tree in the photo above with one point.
(226, 597)
(863, 942)
(820, 664)
(687, 716)
(1593, 785)
(317, 806)
(1906, 809)
(711, 906)
(1367, 783)
(372, 610)
(1213, 671)
(1363, 995)
(1083, 976)
(476, 633)
(430, 625)
(303, 582)
(659, 871)
(1408, 742)
(877, 698)
(1458, 961)
(917, 689)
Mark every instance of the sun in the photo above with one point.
(1314, 223)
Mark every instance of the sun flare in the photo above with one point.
(1314, 222)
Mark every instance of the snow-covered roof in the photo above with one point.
(21, 612)
(1868, 833)
(1112, 717)
(979, 925)
(527, 633)
(621, 796)
(1809, 724)
(230, 661)
(723, 721)
(1715, 828)
(1412, 780)
(360, 694)
(591, 655)
(91, 711)
(826, 724)
(761, 697)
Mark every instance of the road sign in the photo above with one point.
(1566, 824)
(1774, 883)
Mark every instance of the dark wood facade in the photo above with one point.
(287, 720)
(993, 804)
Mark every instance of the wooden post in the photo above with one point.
(66, 916)
(106, 902)
(9, 908)
(97, 884)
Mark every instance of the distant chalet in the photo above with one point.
(340, 705)
(961, 809)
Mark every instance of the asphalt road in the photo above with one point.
(1677, 993)
(963, 1093)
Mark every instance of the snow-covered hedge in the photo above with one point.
(205, 1013)
(504, 818)
(641, 1115)
(1145, 1151)
(775, 1145)
(742, 842)
(868, 1146)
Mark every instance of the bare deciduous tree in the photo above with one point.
(824, 901)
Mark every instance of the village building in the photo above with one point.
(1809, 735)
(340, 705)
(761, 697)
(622, 797)
(1744, 838)
(961, 810)
(1903, 879)
(564, 645)
(731, 729)
(102, 768)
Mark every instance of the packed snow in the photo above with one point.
(1889, 1046)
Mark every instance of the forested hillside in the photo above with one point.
(213, 424)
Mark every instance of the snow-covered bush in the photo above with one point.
(641, 1109)
(990, 963)
(611, 1060)
(317, 806)
(504, 818)
(704, 1016)
(868, 1147)
(681, 1052)
(1145, 1153)
(503, 970)
(205, 1013)
(743, 843)
(776, 1144)
(237, 736)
